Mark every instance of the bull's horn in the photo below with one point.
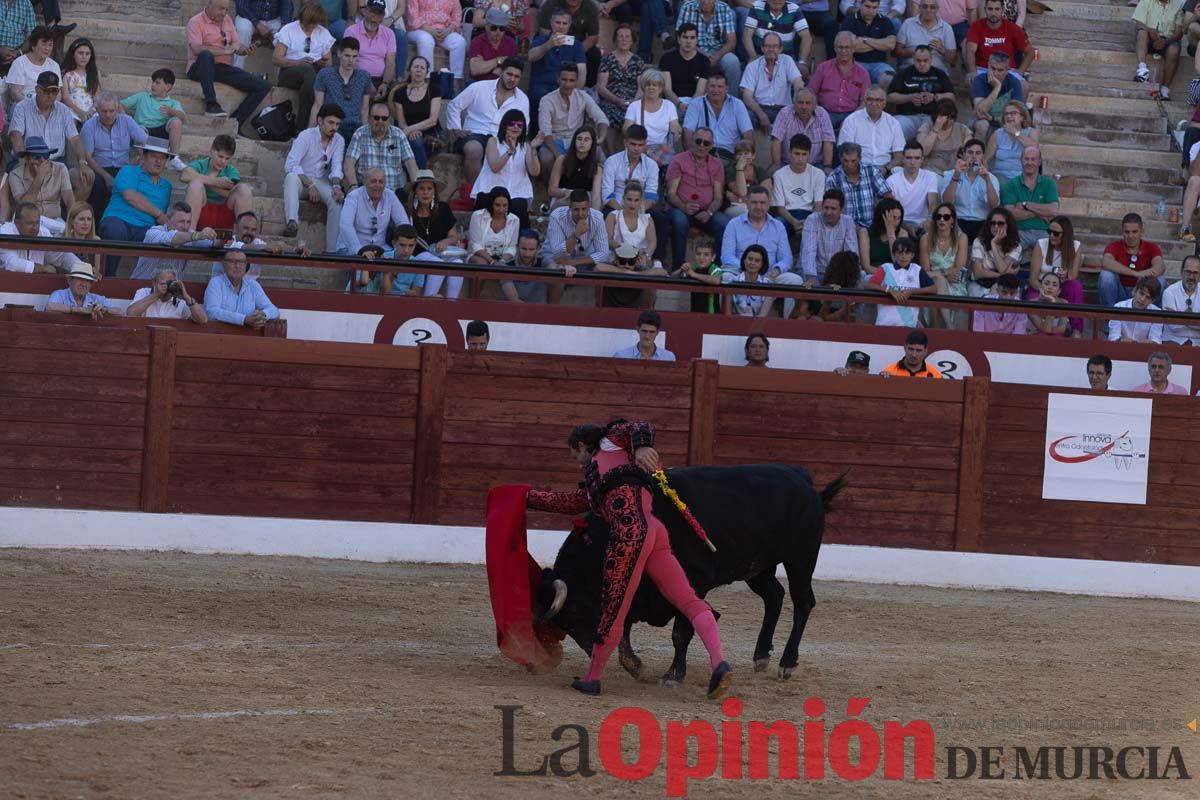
(560, 599)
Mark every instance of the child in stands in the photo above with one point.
(706, 270)
(215, 191)
(159, 113)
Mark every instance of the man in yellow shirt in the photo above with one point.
(1158, 28)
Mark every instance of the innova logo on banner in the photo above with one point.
(1097, 448)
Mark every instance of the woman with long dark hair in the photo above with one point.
(510, 160)
(617, 461)
(494, 231)
(944, 251)
(416, 106)
(1062, 254)
(996, 252)
(754, 267)
(843, 272)
(579, 168)
(875, 243)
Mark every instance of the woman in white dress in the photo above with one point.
(493, 232)
(659, 117)
(510, 161)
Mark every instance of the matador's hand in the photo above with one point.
(647, 458)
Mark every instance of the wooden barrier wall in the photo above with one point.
(164, 420)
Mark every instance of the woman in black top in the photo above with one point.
(579, 168)
(415, 104)
(437, 227)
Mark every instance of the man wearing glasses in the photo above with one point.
(236, 299)
(1032, 199)
(695, 192)
(212, 43)
(45, 117)
(1181, 298)
(381, 145)
(930, 30)
(367, 214)
(489, 49)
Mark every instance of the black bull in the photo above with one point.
(757, 516)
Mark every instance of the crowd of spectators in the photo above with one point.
(647, 166)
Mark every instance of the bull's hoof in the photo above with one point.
(761, 664)
(631, 664)
(722, 677)
(671, 680)
(785, 672)
(587, 687)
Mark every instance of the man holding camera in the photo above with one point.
(166, 298)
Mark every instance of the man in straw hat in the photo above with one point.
(140, 198)
(314, 169)
(78, 298)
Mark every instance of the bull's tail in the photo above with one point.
(832, 489)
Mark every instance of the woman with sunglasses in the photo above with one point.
(944, 250)
(1062, 254)
(494, 230)
(579, 168)
(996, 252)
(416, 105)
(510, 161)
(754, 265)
(302, 47)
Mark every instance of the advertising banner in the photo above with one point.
(1097, 448)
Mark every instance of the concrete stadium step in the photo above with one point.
(1083, 57)
(1132, 173)
(132, 36)
(1065, 135)
(1055, 28)
(86, 12)
(1087, 208)
(1126, 192)
(1111, 156)
(1099, 121)
(1110, 226)
(1051, 72)
(1091, 11)
(1123, 87)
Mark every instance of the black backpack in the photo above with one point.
(275, 123)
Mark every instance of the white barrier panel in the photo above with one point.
(381, 542)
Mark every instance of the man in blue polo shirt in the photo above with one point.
(876, 38)
(140, 197)
(726, 116)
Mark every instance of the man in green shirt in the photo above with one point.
(214, 190)
(1032, 199)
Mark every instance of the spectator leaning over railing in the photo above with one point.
(1144, 293)
(529, 242)
(28, 222)
(78, 298)
(1061, 253)
(751, 269)
(575, 235)
(233, 298)
(901, 278)
(176, 231)
(857, 363)
(404, 245)
(842, 272)
(1046, 324)
(166, 298)
(314, 167)
(1182, 298)
(1159, 367)
(1099, 370)
(1003, 321)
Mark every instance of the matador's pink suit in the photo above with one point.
(617, 489)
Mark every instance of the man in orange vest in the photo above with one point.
(913, 365)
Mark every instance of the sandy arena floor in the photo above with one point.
(130, 675)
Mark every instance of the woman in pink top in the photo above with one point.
(437, 22)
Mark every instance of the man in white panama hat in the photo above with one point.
(78, 298)
(140, 198)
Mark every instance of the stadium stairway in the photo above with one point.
(1110, 133)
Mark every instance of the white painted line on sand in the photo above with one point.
(83, 722)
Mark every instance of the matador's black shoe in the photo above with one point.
(587, 687)
(721, 678)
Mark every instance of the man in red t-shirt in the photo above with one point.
(1127, 260)
(993, 33)
(489, 49)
